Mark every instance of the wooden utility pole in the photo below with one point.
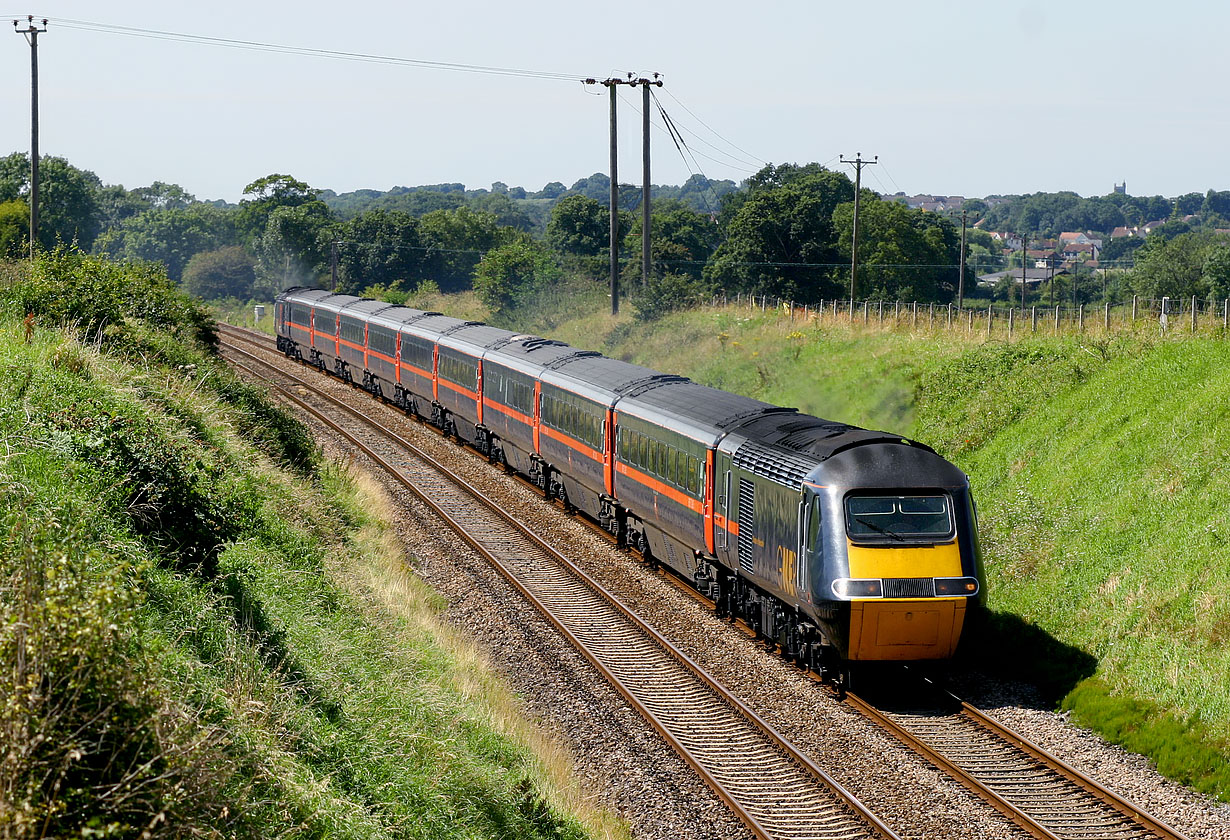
(611, 85)
(31, 33)
(614, 249)
(1024, 263)
(961, 266)
(859, 163)
(645, 232)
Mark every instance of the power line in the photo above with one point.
(259, 46)
(761, 160)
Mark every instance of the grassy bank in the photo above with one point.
(205, 629)
(1100, 466)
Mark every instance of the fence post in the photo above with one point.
(1033, 318)
(970, 328)
(1081, 317)
(950, 316)
(914, 317)
(1193, 314)
(1056, 320)
(1225, 314)
(896, 312)
(931, 318)
(1106, 319)
(1134, 301)
(1011, 320)
(990, 318)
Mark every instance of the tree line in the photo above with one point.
(785, 232)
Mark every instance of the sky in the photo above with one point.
(955, 98)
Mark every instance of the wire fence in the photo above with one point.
(1165, 316)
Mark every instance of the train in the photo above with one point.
(838, 544)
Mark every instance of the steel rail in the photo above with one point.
(791, 753)
(1013, 804)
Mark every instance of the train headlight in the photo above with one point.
(858, 588)
(956, 586)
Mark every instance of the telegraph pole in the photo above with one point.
(859, 163)
(31, 33)
(645, 238)
(1024, 262)
(612, 85)
(961, 276)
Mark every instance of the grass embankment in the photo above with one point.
(204, 629)
(1101, 470)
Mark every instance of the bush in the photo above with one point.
(227, 272)
(667, 293)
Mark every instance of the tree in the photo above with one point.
(666, 293)
(456, 240)
(682, 239)
(579, 226)
(225, 273)
(508, 273)
(68, 205)
(268, 194)
(14, 227)
(781, 240)
(904, 254)
(1216, 270)
(170, 237)
(1175, 267)
(380, 248)
(552, 190)
(291, 250)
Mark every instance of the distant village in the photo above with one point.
(1044, 258)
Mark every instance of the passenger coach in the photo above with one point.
(837, 543)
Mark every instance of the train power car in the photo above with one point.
(840, 544)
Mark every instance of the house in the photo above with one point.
(1080, 251)
(1034, 277)
(1010, 241)
(1121, 231)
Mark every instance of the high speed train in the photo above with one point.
(840, 544)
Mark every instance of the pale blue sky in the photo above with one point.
(965, 98)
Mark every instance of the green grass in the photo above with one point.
(207, 630)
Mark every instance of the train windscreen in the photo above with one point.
(898, 518)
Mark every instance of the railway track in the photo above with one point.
(775, 789)
(1040, 794)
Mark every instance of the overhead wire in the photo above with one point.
(715, 133)
(341, 55)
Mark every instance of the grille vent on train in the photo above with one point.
(909, 588)
(747, 520)
(774, 464)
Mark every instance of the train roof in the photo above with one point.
(395, 317)
(434, 326)
(474, 338)
(603, 379)
(333, 303)
(303, 294)
(365, 308)
(696, 410)
(531, 354)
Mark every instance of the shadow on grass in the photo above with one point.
(1003, 643)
